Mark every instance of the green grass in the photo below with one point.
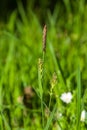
(57, 71)
(78, 98)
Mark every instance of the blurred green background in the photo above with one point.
(21, 32)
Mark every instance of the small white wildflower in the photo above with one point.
(66, 97)
(83, 116)
(60, 115)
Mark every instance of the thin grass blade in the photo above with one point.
(78, 97)
(51, 117)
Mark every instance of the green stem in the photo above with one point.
(50, 102)
(42, 89)
(78, 98)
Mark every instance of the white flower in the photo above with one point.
(83, 116)
(66, 97)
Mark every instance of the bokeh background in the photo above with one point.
(65, 67)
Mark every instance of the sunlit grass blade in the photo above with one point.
(5, 122)
(58, 71)
(1, 122)
(78, 98)
(49, 121)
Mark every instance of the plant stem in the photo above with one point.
(78, 98)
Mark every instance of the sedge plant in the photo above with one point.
(41, 63)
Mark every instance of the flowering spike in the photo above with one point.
(40, 66)
(44, 37)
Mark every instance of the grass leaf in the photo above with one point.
(50, 118)
(78, 98)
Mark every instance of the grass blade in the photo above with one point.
(60, 76)
(5, 122)
(50, 118)
(78, 98)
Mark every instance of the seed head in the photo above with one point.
(40, 66)
(53, 80)
(44, 37)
